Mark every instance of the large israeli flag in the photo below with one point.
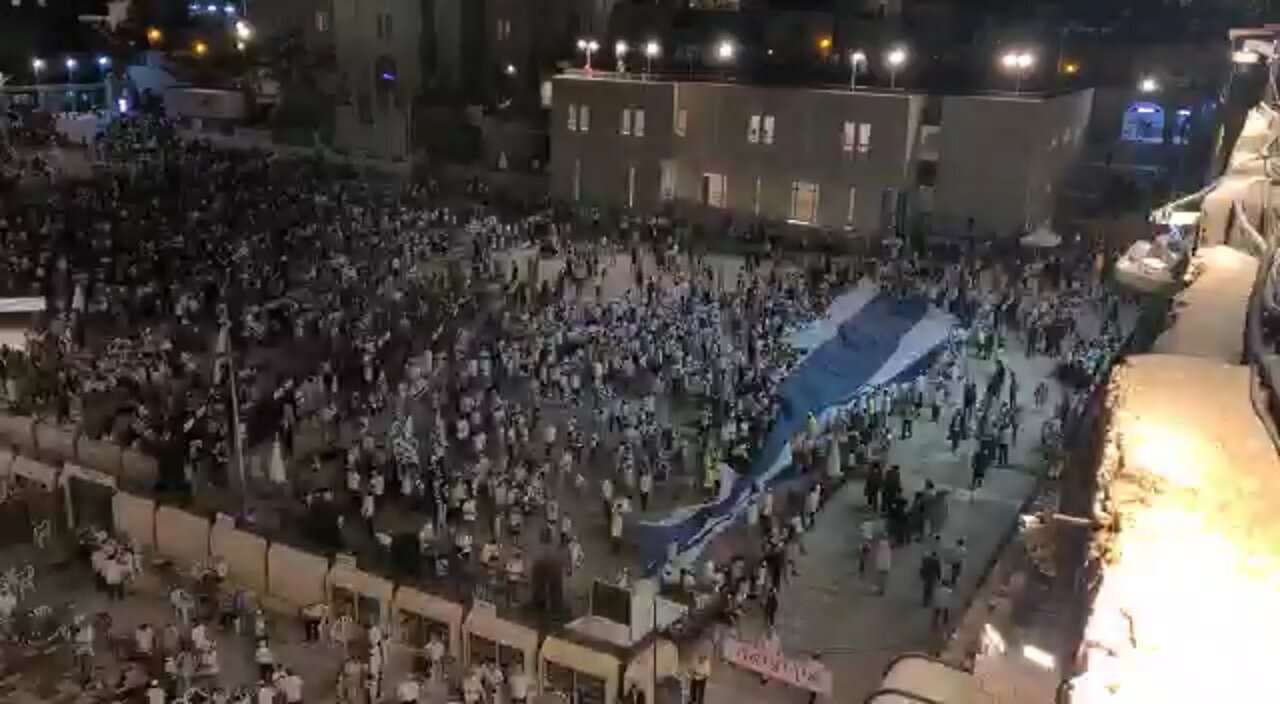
(867, 339)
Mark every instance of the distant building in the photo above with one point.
(864, 161)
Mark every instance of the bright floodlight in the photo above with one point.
(582, 45)
(1245, 57)
(71, 63)
(593, 45)
(103, 62)
(897, 57)
(858, 57)
(243, 31)
(510, 69)
(620, 48)
(229, 9)
(1025, 60)
(725, 50)
(1148, 85)
(37, 64)
(652, 49)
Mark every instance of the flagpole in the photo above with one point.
(238, 446)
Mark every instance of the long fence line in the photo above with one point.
(41, 458)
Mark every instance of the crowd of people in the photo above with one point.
(402, 361)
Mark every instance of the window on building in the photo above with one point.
(753, 129)
(637, 122)
(804, 202)
(714, 188)
(584, 118)
(577, 180)
(573, 118)
(864, 138)
(322, 20)
(755, 198)
(767, 135)
(851, 215)
(504, 29)
(626, 121)
(667, 181)
(631, 187)
(682, 122)
(384, 25)
(927, 173)
(849, 137)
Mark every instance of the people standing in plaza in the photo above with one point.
(698, 679)
(930, 575)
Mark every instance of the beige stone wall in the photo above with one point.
(295, 577)
(181, 537)
(244, 553)
(136, 518)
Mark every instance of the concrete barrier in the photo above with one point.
(34, 471)
(54, 441)
(296, 578)
(584, 661)
(181, 536)
(438, 613)
(18, 431)
(139, 468)
(486, 637)
(135, 517)
(244, 553)
(96, 454)
(361, 586)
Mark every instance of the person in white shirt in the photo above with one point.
(199, 636)
(155, 693)
(518, 684)
(291, 686)
(266, 693)
(408, 691)
(265, 659)
(435, 654)
(8, 602)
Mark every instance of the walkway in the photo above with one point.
(1211, 311)
(828, 608)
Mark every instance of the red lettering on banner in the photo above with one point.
(806, 674)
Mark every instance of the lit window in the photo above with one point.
(322, 21)
(849, 137)
(584, 118)
(768, 130)
(682, 122)
(850, 218)
(637, 123)
(804, 202)
(864, 138)
(714, 190)
(753, 129)
(667, 180)
(573, 118)
(626, 121)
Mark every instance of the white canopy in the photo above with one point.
(1041, 238)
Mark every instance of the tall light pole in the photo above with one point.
(71, 65)
(726, 50)
(37, 68)
(651, 51)
(587, 47)
(1017, 63)
(895, 59)
(620, 49)
(857, 61)
(1148, 84)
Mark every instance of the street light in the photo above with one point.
(857, 61)
(37, 66)
(1018, 63)
(651, 51)
(620, 49)
(510, 70)
(103, 62)
(726, 50)
(71, 65)
(587, 47)
(199, 48)
(154, 35)
(896, 59)
(1148, 85)
(244, 32)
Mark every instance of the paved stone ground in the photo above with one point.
(830, 610)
